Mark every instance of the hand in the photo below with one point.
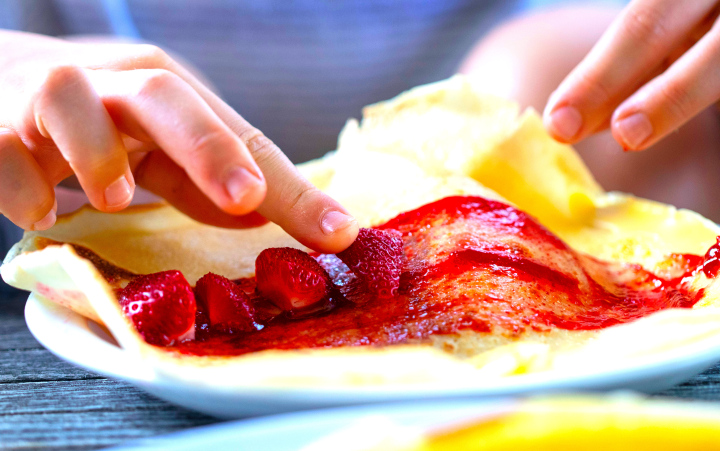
(120, 114)
(655, 68)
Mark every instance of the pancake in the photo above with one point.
(439, 144)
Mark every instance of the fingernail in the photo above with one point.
(239, 182)
(634, 130)
(118, 193)
(566, 122)
(334, 221)
(41, 126)
(46, 222)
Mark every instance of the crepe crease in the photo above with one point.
(434, 141)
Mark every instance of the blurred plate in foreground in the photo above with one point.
(619, 422)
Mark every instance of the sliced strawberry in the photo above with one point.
(225, 305)
(162, 307)
(292, 280)
(376, 257)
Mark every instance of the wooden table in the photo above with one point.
(46, 403)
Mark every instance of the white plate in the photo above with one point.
(81, 342)
(296, 430)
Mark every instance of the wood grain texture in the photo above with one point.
(46, 403)
(705, 386)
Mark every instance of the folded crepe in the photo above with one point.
(433, 142)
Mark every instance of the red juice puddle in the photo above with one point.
(472, 264)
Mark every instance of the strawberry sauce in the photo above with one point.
(470, 264)
(711, 266)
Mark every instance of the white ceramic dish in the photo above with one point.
(83, 343)
(297, 430)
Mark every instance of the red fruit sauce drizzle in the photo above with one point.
(711, 265)
(471, 264)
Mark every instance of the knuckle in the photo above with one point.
(645, 24)
(595, 87)
(63, 74)
(100, 165)
(59, 78)
(153, 56)
(299, 201)
(204, 145)
(158, 80)
(259, 145)
(677, 98)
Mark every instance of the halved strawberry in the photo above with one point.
(225, 305)
(376, 257)
(291, 279)
(162, 307)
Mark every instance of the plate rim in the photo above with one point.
(40, 313)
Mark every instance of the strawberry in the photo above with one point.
(226, 306)
(291, 279)
(161, 306)
(376, 257)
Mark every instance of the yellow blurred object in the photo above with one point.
(587, 424)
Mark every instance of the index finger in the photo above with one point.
(309, 215)
(291, 201)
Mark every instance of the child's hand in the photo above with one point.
(120, 114)
(656, 67)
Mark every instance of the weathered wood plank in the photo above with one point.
(29, 365)
(14, 334)
(72, 396)
(13, 303)
(84, 414)
(90, 430)
(22, 358)
(46, 403)
(705, 386)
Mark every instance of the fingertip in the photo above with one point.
(314, 219)
(245, 189)
(632, 131)
(46, 222)
(340, 230)
(119, 193)
(335, 221)
(563, 123)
